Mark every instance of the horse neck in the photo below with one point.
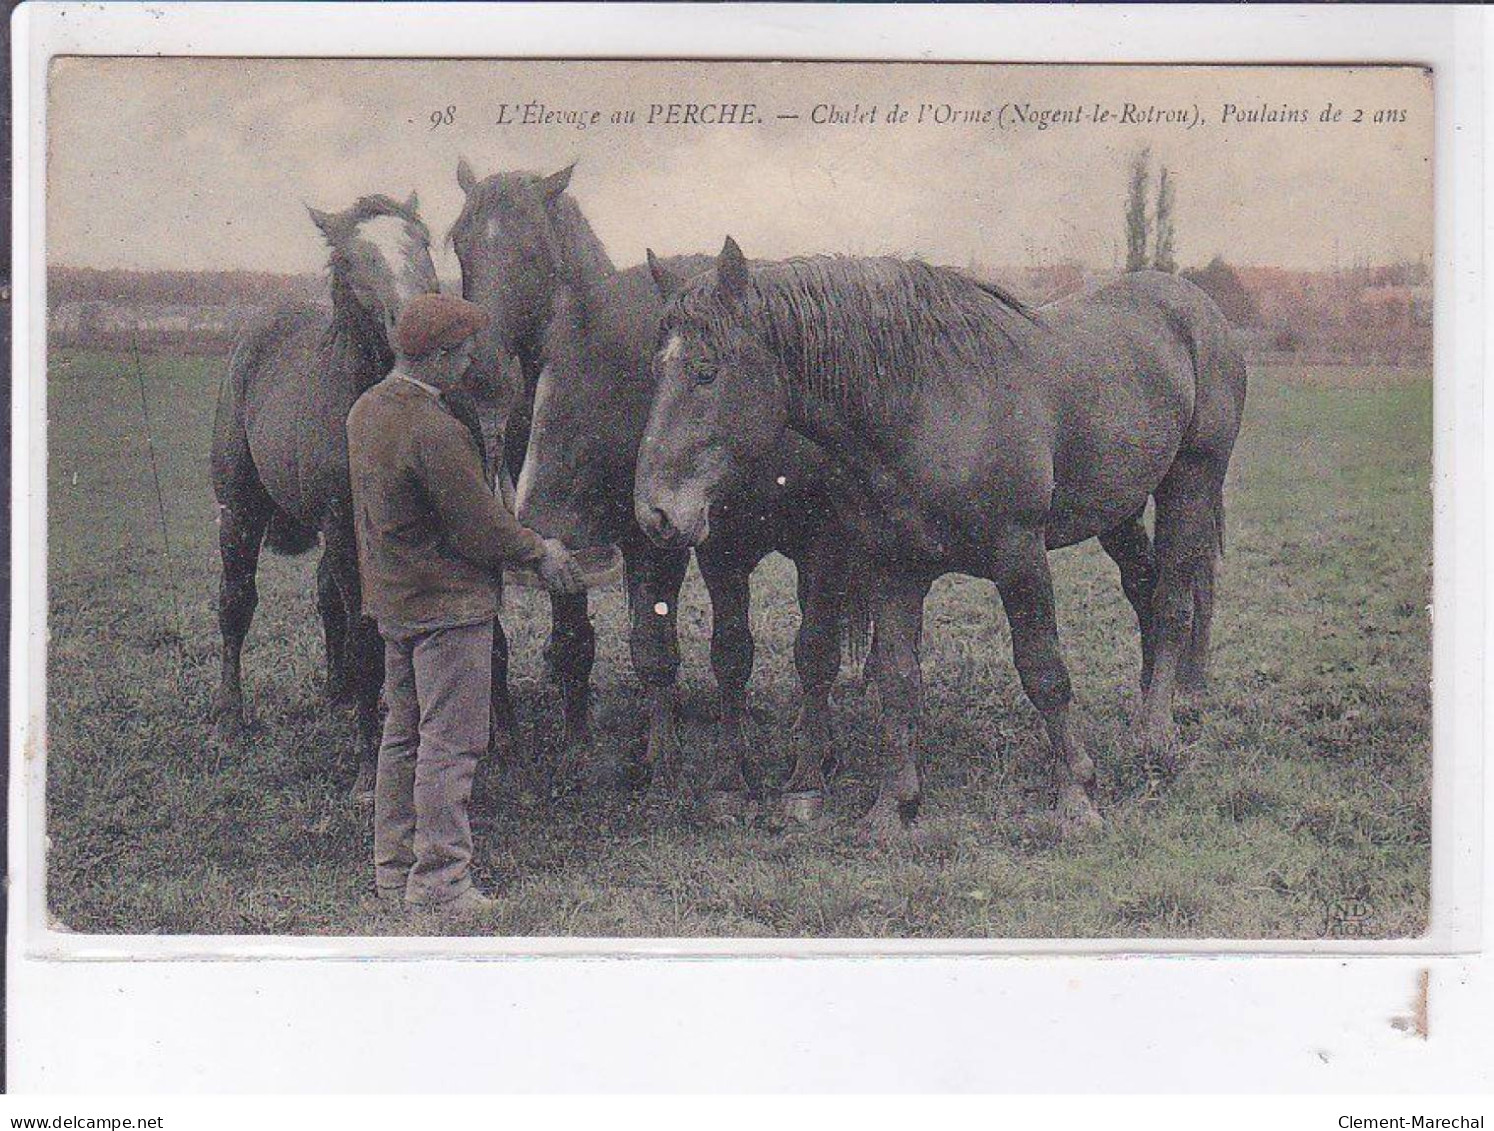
(588, 336)
(583, 259)
(852, 417)
(872, 491)
(582, 267)
(357, 337)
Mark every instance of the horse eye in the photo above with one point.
(703, 375)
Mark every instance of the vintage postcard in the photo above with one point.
(1052, 445)
(959, 517)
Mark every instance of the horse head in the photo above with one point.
(381, 258)
(720, 404)
(508, 240)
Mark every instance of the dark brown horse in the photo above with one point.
(585, 333)
(521, 243)
(279, 456)
(985, 434)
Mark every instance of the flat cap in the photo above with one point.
(432, 322)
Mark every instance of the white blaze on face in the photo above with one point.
(536, 428)
(671, 349)
(402, 254)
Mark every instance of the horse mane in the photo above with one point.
(377, 204)
(349, 321)
(864, 333)
(579, 255)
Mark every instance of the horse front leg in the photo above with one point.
(823, 581)
(366, 679)
(727, 579)
(654, 580)
(241, 531)
(569, 656)
(898, 610)
(503, 722)
(1026, 589)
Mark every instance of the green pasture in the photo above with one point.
(1303, 810)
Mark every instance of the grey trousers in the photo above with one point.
(438, 687)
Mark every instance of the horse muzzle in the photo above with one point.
(674, 523)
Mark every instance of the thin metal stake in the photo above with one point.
(155, 471)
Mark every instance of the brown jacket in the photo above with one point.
(432, 536)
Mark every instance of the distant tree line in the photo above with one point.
(1364, 314)
(185, 288)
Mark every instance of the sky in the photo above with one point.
(210, 163)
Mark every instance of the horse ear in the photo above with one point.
(329, 222)
(665, 279)
(413, 204)
(465, 177)
(731, 269)
(556, 183)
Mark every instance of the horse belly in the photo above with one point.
(299, 447)
(1104, 495)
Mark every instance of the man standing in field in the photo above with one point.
(432, 538)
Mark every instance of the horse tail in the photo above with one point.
(1218, 502)
(1220, 378)
(289, 535)
(856, 617)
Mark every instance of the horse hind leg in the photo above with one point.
(366, 677)
(1027, 596)
(1193, 665)
(363, 650)
(334, 614)
(1185, 544)
(503, 734)
(241, 530)
(1130, 548)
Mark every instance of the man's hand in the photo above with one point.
(559, 570)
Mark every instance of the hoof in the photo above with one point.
(1193, 680)
(1077, 813)
(230, 730)
(1161, 760)
(505, 743)
(887, 823)
(804, 808)
(633, 774)
(567, 765)
(729, 807)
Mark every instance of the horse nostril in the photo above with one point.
(660, 523)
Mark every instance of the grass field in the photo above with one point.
(1303, 810)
